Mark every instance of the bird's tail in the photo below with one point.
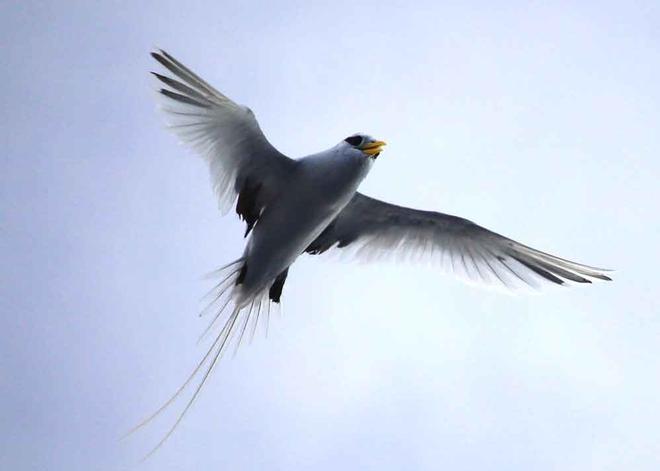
(227, 302)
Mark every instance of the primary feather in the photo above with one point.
(226, 135)
(375, 229)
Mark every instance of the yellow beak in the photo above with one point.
(373, 148)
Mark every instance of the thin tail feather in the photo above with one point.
(245, 323)
(177, 393)
(229, 332)
(220, 271)
(224, 335)
(214, 320)
(218, 292)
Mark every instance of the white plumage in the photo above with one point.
(312, 205)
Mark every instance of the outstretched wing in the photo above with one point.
(375, 229)
(242, 161)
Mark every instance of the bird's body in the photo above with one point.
(312, 205)
(317, 189)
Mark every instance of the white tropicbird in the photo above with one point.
(312, 205)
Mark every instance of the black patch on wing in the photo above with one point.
(178, 86)
(241, 275)
(540, 271)
(328, 238)
(182, 98)
(247, 207)
(323, 242)
(275, 291)
(563, 273)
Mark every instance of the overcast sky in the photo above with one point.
(540, 122)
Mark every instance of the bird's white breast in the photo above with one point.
(319, 189)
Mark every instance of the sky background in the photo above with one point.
(540, 121)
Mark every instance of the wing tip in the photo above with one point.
(155, 50)
(604, 277)
(157, 54)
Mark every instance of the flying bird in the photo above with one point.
(311, 205)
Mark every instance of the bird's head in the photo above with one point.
(367, 146)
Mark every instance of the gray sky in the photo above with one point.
(537, 121)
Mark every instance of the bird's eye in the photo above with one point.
(354, 140)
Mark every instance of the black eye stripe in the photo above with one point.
(354, 140)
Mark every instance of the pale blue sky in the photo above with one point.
(538, 121)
